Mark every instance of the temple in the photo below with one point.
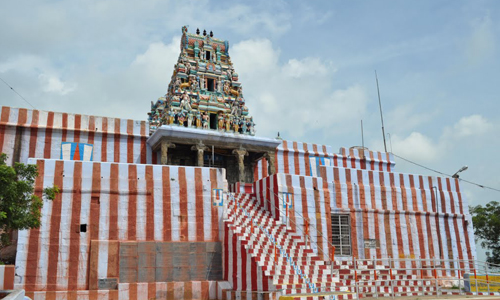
(191, 204)
(204, 94)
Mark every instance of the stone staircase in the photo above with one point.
(374, 280)
(279, 252)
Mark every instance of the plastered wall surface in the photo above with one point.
(398, 210)
(295, 158)
(125, 202)
(26, 133)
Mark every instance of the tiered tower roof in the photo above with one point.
(204, 91)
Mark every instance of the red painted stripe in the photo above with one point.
(276, 197)
(459, 196)
(338, 192)
(74, 242)
(285, 158)
(328, 212)
(198, 182)
(78, 125)
(317, 205)
(91, 130)
(315, 149)
(34, 236)
(388, 235)
(350, 198)
(55, 225)
(253, 272)
(104, 142)
(167, 205)
(226, 252)
(4, 119)
(8, 277)
(150, 204)
(305, 213)
(362, 201)
(235, 262)
(152, 290)
(296, 163)
(113, 202)
(48, 135)
(441, 196)
(307, 162)
(243, 268)
(184, 235)
(130, 141)
(132, 291)
(33, 134)
(116, 138)
(452, 201)
(291, 212)
(144, 151)
(132, 203)
(457, 241)
(64, 127)
(354, 235)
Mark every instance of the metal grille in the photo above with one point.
(341, 234)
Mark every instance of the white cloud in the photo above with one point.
(471, 125)
(481, 44)
(297, 97)
(53, 84)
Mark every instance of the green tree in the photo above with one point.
(20, 208)
(486, 222)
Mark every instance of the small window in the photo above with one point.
(213, 121)
(207, 55)
(341, 234)
(210, 85)
(83, 227)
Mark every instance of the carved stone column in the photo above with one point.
(240, 156)
(164, 151)
(271, 162)
(201, 149)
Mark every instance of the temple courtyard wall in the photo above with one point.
(125, 223)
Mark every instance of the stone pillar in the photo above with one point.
(164, 151)
(201, 149)
(240, 156)
(271, 162)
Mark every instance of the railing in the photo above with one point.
(274, 241)
(427, 270)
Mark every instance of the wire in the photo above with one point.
(436, 171)
(16, 92)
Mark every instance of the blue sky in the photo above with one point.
(307, 69)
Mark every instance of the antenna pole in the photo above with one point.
(381, 116)
(362, 136)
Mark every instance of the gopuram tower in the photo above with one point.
(203, 119)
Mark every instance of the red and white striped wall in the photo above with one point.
(40, 134)
(267, 193)
(7, 273)
(296, 158)
(196, 290)
(411, 215)
(240, 269)
(399, 210)
(117, 202)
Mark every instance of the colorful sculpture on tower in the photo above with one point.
(204, 91)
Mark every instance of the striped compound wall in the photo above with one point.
(398, 210)
(303, 159)
(26, 133)
(118, 198)
(125, 202)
